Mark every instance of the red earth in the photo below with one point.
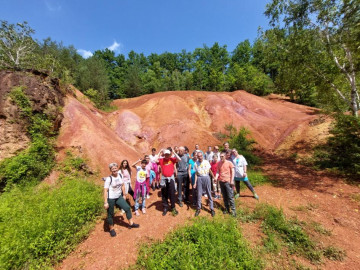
(188, 117)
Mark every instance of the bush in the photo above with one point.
(41, 225)
(206, 244)
(342, 150)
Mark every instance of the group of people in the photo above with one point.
(212, 174)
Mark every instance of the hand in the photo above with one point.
(195, 186)
(106, 206)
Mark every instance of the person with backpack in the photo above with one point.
(113, 195)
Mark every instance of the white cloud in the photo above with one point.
(85, 53)
(115, 46)
(52, 6)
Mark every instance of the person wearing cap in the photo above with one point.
(225, 175)
(202, 182)
(167, 182)
(113, 195)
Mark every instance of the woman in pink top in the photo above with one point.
(126, 172)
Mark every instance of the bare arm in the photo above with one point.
(106, 205)
(134, 164)
(232, 174)
(176, 155)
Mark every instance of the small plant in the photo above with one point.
(320, 229)
(334, 253)
(206, 244)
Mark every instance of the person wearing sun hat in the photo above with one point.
(167, 181)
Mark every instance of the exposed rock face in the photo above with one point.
(45, 96)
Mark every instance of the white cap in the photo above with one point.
(167, 152)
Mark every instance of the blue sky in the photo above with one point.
(148, 26)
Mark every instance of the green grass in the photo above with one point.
(334, 253)
(40, 225)
(205, 244)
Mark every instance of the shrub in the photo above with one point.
(41, 225)
(206, 244)
(342, 150)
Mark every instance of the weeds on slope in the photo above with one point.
(40, 225)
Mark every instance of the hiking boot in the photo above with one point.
(197, 212)
(112, 233)
(134, 225)
(256, 196)
(137, 213)
(174, 211)
(165, 212)
(212, 213)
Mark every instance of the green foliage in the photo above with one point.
(296, 239)
(16, 45)
(334, 253)
(242, 142)
(206, 244)
(33, 164)
(41, 225)
(342, 150)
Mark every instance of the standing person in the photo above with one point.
(197, 149)
(183, 176)
(226, 146)
(187, 151)
(113, 191)
(140, 186)
(148, 169)
(216, 186)
(241, 174)
(125, 170)
(153, 158)
(216, 151)
(202, 182)
(167, 182)
(192, 172)
(209, 154)
(225, 175)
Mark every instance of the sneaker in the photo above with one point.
(205, 195)
(165, 212)
(144, 210)
(122, 211)
(148, 196)
(137, 213)
(256, 196)
(134, 225)
(181, 204)
(197, 212)
(112, 233)
(174, 212)
(237, 196)
(212, 213)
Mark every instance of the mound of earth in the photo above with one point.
(45, 96)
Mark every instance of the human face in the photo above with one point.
(226, 146)
(216, 149)
(215, 158)
(114, 170)
(228, 155)
(125, 163)
(209, 148)
(234, 152)
(222, 157)
(143, 165)
(153, 151)
(200, 156)
(196, 146)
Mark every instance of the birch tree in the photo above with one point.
(16, 45)
(335, 26)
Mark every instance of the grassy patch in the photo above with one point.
(41, 225)
(334, 253)
(320, 229)
(33, 164)
(304, 208)
(205, 244)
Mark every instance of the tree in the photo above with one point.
(325, 35)
(16, 45)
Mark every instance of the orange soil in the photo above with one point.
(185, 118)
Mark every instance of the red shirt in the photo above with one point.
(214, 166)
(167, 166)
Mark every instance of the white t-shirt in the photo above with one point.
(239, 163)
(154, 158)
(141, 174)
(209, 156)
(115, 187)
(202, 168)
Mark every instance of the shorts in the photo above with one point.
(241, 179)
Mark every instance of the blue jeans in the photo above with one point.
(138, 196)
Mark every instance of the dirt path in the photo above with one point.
(301, 192)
